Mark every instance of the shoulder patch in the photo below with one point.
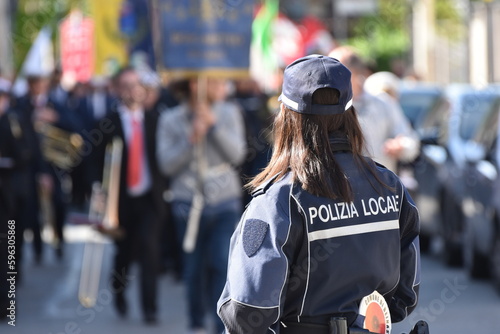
(253, 236)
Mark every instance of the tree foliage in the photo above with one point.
(386, 35)
(383, 36)
(31, 17)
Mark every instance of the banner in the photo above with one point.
(205, 37)
(77, 46)
(110, 44)
(355, 7)
(135, 26)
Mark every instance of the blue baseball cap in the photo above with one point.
(308, 74)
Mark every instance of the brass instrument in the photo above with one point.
(60, 147)
(104, 210)
(47, 213)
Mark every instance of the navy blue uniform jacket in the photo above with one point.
(295, 256)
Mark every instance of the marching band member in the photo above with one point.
(7, 151)
(140, 193)
(90, 109)
(33, 171)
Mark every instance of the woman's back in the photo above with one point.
(348, 250)
(326, 226)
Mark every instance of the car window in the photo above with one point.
(416, 105)
(488, 129)
(475, 107)
(438, 115)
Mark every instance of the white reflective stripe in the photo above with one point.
(290, 103)
(308, 260)
(353, 229)
(348, 105)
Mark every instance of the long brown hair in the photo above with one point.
(302, 146)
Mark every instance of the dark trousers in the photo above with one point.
(81, 180)
(205, 269)
(139, 219)
(4, 287)
(171, 253)
(26, 214)
(59, 205)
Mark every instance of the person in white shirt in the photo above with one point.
(389, 136)
(140, 195)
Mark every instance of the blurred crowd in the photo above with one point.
(53, 151)
(188, 148)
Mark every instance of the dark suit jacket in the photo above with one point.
(11, 150)
(25, 144)
(67, 120)
(22, 110)
(158, 182)
(85, 110)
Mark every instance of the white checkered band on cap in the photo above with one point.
(289, 102)
(348, 105)
(295, 105)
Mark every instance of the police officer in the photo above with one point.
(327, 226)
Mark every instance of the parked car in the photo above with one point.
(469, 110)
(481, 203)
(445, 121)
(426, 108)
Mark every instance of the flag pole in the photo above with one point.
(193, 223)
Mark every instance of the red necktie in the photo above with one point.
(135, 155)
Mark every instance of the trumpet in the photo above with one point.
(104, 210)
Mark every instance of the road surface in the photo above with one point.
(46, 300)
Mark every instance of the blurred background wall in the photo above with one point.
(441, 41)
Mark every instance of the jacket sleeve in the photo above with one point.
(229, 134)
(7, 146)
(174, 151)
(405, 297)
(402, 128)
(258, 269)
(68, 120)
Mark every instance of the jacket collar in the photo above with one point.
(339, 142)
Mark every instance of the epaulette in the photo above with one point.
(374, 163)
(265, 186)
(379, 165)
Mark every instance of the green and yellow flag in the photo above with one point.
(110, 46)
(264, 62)
(262, 31)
